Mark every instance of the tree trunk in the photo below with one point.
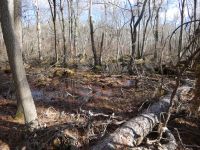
(69, 26)
(195, 13)
(63, 32)
(138, 43)
(14, 48)
(15, 13)
(53, 15)
(182, 7)
(138, 56)
(132, 133)
(196, 100)
(156, 32)
(145, 30)
(101, 46)
(38, 28)
(133, 26)
(55, 31)
(75, 29)
(97, 61)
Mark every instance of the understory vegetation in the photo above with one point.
(100, 75)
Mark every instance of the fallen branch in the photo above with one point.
(132, 133)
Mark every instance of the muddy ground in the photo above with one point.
(77, 108)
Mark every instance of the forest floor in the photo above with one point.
(78, 108)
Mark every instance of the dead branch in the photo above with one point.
(132, 133)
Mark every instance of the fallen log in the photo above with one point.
(132, 133)
(170, 145)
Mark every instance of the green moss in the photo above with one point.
(97, 69)
(19, 116)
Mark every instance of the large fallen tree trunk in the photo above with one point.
(132, 133)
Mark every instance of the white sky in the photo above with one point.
(171, 14)
(43, 3)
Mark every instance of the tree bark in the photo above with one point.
(97, 61)
(15, 11)
(76, 13)
(156, 35)
(145, 30)
(133, 26)
(14, 52)
(196, 101)
(69, 6)
(182, 6)
(38, 28)
(63, 32)
(53, 15)
(132, 133)
(195, 13)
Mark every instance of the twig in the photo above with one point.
(179, 137)
(180, 72)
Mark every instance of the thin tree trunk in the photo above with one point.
(182, 6)
(38, 29)
(138, 56)
(70, 26)
(53, 15)
(195, 13)
(118, 43)
(105, 32)
(75, 28)
(14, 48)
(96, 60)
(101, 46)
(133, 26)
(145, 30)
(138, 43)
(75, 36)
(63, 32)
(156, 35)
(55, 31)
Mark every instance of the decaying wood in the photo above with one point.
(132, 133)
(171, 143)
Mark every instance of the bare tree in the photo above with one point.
(52, 5)
(70, 25)
(97, 60)
(76, 17)
(14, 51)
(38, 27)
(181, 6)
(133, 25)
(61, 7)
(156, 25)
(145, 29)
(138, 36)
(195, 13)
